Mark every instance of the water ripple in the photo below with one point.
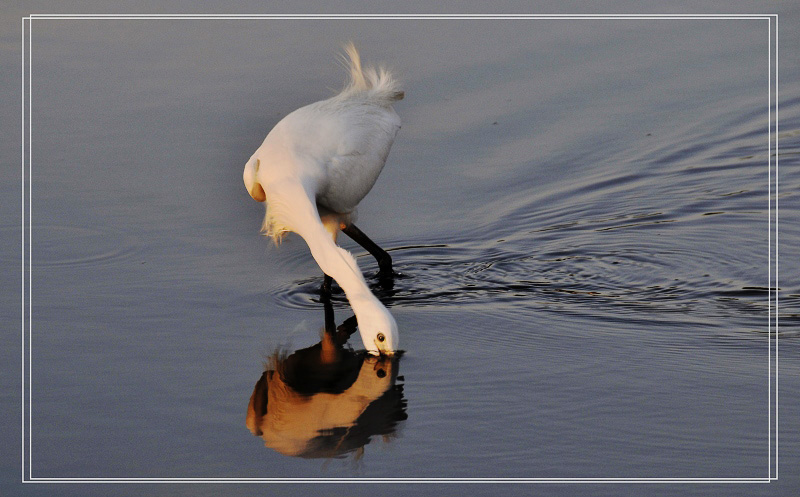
(617, 285)
(645, 243)
(74, 246)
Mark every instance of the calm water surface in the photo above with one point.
(579, 210)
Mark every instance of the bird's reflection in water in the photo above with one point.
(326, 400)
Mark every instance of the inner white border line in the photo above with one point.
(404, 480)
(30, 247)
(402, 16)
(769, 248)
(777, 297)
(27, 353)
(22, 239)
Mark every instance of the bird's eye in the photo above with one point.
(381, 373)
(381, 337)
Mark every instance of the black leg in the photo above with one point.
(339, 334)
(383, 257)
(344, 330)
(325, 290)
(330, 322)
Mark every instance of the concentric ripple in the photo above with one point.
(71, 246)
(649, 243)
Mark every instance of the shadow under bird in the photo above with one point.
(313, 169)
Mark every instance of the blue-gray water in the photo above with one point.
(579, 209)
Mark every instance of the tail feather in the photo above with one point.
(378, 83)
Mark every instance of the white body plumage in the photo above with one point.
(313, 169)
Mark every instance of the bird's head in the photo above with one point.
(379, 333)
(250, 177)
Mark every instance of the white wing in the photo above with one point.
(345, 144)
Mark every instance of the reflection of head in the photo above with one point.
(309, 407)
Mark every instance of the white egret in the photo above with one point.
(313, 169)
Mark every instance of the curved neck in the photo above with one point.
(334, 261)
(340, 265)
